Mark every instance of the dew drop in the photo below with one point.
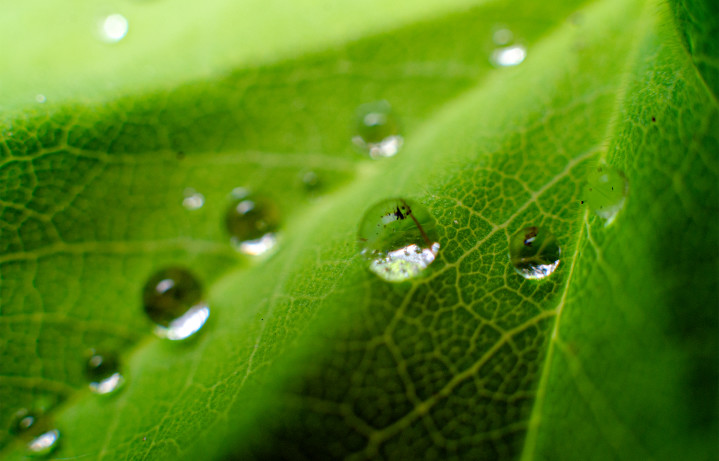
(534, 252)
(606, 191)
(377, 130)
(508, 56)
(252, 223)
(44, 444)
(41, 98)
(22, 420)
(192, 200)
(398, 238)
(172, 298)
(113, 28)
(310, 180)
(103, 372)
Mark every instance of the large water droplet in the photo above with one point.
(172, 298)
(44, 444)
(534, 252)
(192, 200)
(113, 28)
(508, 56)
(398, 238)
(103, 372)
(606, 192)
(22, 420)
(252, 223)
(377, 130)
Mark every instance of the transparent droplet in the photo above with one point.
(377, 130)
(310, 180)
(113, 28)
(508, 56)
(22, 420)
(40, 98)
(502, 36)
(103, 372)
(172, 298)
(398, 238)
(44, 444)
(534, 252)
(192, 200)
(606, 191)
(252, 223)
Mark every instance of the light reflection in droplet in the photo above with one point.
(255, 247)
(509, 56)
(108, 385)
(44, 444)
(192, 200)
(186, 325)
(113, 28)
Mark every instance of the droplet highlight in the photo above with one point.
(509, 56)
(103, 372)
(22, 421)
(534, 252)
(252, 223)
(113, 28)
(172, 299)
(192, 200)
(398, 238)
(606, 192)
(44, 444)
(377, 130)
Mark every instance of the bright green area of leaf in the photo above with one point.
(307, 354)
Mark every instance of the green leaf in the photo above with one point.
(306, 353)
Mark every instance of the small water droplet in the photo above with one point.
(534, 252)
(502, 36)
(252, 223)
(103, 372)
(40, 98)
(377, 130)
(508, 56)
(192, 200)
(310, 180)
(606, 191)
(22, 420)
(398, 238)
(44, 444)
(172, 298)
(113, 28)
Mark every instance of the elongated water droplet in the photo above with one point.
(252, 223)
(172, 298)
(606, 191)
(103, 372)
(192, 200)
(508, 56)
(377, 130)
(398, 238)
(22, 420)
(44, 444)
(113, 28)
(534, 252)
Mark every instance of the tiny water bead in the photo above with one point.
(398, 238)
(22, 420)
(44, 444)
(509, 56)
(172, 298)
(103, 372)
(606, 191)
(113, 28)
(252, 223)
(377, 130)
(534, 252)
(192, 200)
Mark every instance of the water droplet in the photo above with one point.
(252, 223)
(508, 56)
(113, 28)
(44, 444)
(398, 238)
(103, 371)
(172, 298)
(606, 192)
(40, 98)
(192, 200)
(377, 130)
(22, 420)
(310, 180)
(502, 36)
(534, 252)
